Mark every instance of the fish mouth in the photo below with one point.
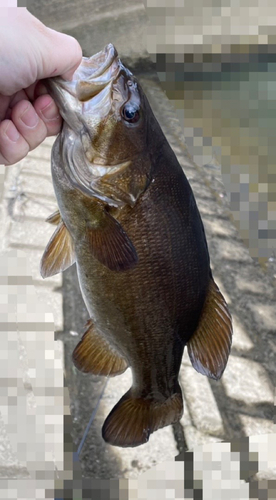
(83, 103)
(90, 78)
(93, 74)
(96, 65)
(89, 93)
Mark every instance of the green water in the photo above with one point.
(231, 116)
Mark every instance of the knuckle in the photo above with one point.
(53, 128)
(11, 152)
(10, 157)
(37, 136)
(33, 136)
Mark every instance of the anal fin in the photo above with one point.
(94, 355)
(210, 345)
(59, 254)
(133, 419)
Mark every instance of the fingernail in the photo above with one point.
(11, 132)
(29, 117)
(50, 112)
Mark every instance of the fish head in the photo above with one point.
(104, 111)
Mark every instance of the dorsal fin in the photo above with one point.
(209, 347)
(59, 253)
(93, 354)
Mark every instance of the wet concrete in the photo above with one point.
(84, 389)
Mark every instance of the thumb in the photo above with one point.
(30, 51)
(60, 55)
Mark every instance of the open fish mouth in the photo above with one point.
(93, 75)
(87, 98)
(96, 65)
(83, 103)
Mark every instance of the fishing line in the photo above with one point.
(91, 420)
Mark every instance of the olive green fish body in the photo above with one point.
(129, 220)
(156, 305)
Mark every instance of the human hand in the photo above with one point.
(29, 52)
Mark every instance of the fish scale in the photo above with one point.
(133, 228)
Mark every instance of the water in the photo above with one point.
(229, 115)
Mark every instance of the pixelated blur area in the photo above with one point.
(217, 62)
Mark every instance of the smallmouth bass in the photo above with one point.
(128, 218)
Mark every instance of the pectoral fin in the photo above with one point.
(109, 243)
(209, 347)
(59, 253)
(54, 218)
(121, 185)
(94, 355)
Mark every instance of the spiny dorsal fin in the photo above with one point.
(94, 355)
(110, 244)
(209, 347)
(59, 253)
(133, 419)
(54, 218)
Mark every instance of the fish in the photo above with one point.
(128, 218)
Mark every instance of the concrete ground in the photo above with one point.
(32, 397)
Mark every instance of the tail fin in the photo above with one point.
(132, 420)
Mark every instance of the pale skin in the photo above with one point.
(29, 52)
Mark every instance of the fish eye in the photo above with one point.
(130, 114)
